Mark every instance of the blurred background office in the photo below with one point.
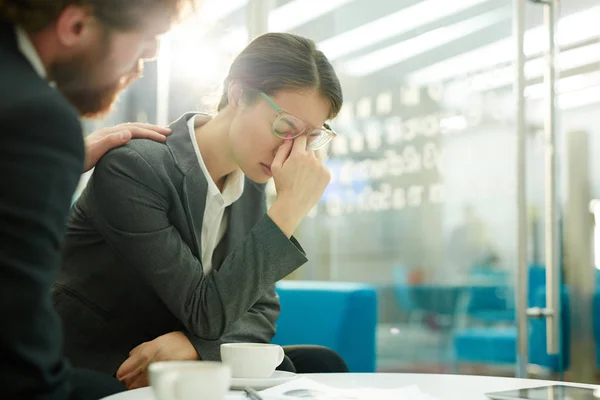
(422, 209)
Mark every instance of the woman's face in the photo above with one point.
(252, 141)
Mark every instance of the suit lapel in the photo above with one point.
(233, 235)
(194, 195)
(243, 215)
(195, 185)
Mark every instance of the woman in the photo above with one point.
(170, 250)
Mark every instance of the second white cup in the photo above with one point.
(251, 360)
(189, 380)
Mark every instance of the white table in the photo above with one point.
(443, 387)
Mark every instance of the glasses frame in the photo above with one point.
(331, 134)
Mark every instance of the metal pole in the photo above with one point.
(552, 265)
(521, 282)
(578, 264)
(257, 16)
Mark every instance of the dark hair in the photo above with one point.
(280, 61)
(35, 15)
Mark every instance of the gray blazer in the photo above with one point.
(132, 264)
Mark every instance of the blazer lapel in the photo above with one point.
(194, 195)
(195, 185)
(243, 215)
(233, 236)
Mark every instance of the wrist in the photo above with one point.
(284, 217)
(176, 346)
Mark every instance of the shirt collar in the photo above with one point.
(28, 50)
(234, 183)
(234, 187)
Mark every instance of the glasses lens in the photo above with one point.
(288, 127)
(318, 138)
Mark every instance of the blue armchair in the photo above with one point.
(341, 316)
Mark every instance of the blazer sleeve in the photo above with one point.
(256, 326)
(132, 214)
(41, 159)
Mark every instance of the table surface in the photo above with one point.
(442, 387)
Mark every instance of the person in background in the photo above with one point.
(171, 252)
(59, 60)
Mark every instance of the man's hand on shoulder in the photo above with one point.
(98, 143)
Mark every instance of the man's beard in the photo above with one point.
(78, 80)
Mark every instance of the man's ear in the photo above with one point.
(234, 95)
(75, 27)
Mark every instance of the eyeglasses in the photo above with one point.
(286, 126)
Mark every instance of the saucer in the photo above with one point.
(277, 378)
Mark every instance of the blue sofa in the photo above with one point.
(338, 315)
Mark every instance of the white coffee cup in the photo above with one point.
(189, 380)
(252, 360)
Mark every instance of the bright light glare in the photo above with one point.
(298, 12)
(405, 20)
(453, 124)
(500, 77)
(565, 85)
(386, 57)
(215, 10)
(579, 98)
(571, 29)
(234, 41)
(193, 55)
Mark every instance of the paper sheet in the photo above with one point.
(305, 388)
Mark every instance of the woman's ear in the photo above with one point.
(234, 95)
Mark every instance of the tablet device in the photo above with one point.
(554, 392)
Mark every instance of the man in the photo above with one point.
(59, 60)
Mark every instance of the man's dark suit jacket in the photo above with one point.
(41, 159)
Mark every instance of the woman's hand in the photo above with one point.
(174, 346)
(300, 178)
